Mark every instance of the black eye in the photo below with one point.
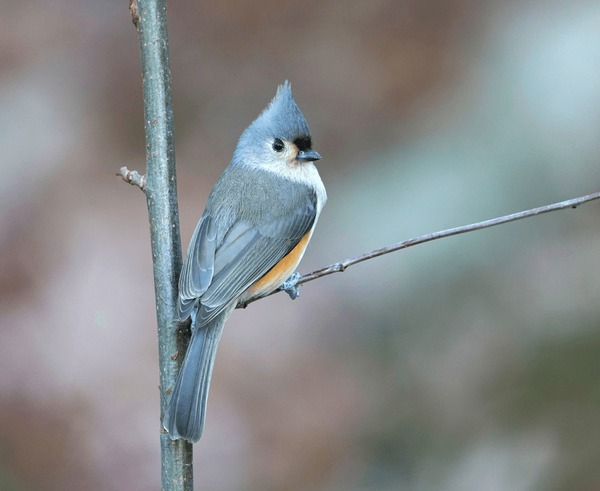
(278, 145)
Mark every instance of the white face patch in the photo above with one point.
(284, 164)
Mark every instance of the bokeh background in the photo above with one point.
(469, 363)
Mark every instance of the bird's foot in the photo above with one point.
(291, 287)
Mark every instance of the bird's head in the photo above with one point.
(279, 136)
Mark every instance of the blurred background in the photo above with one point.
(469, 363)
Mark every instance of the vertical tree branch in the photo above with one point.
(161, 196)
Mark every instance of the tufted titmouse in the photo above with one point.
(257, 223)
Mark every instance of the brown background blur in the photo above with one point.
(470, 363)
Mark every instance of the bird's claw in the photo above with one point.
(291, 287)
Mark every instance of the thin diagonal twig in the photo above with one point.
(341, 266)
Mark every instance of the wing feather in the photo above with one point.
(198, 269)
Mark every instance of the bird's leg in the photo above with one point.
(291, 287)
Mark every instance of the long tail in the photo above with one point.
(185, 415)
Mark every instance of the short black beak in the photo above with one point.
(308, 156)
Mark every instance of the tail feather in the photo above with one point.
(186, 412)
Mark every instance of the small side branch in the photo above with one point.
(135, 16)
(133, 177)
(341, 266)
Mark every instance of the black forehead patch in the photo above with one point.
(303, 143)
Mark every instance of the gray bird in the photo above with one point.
(257, 223)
